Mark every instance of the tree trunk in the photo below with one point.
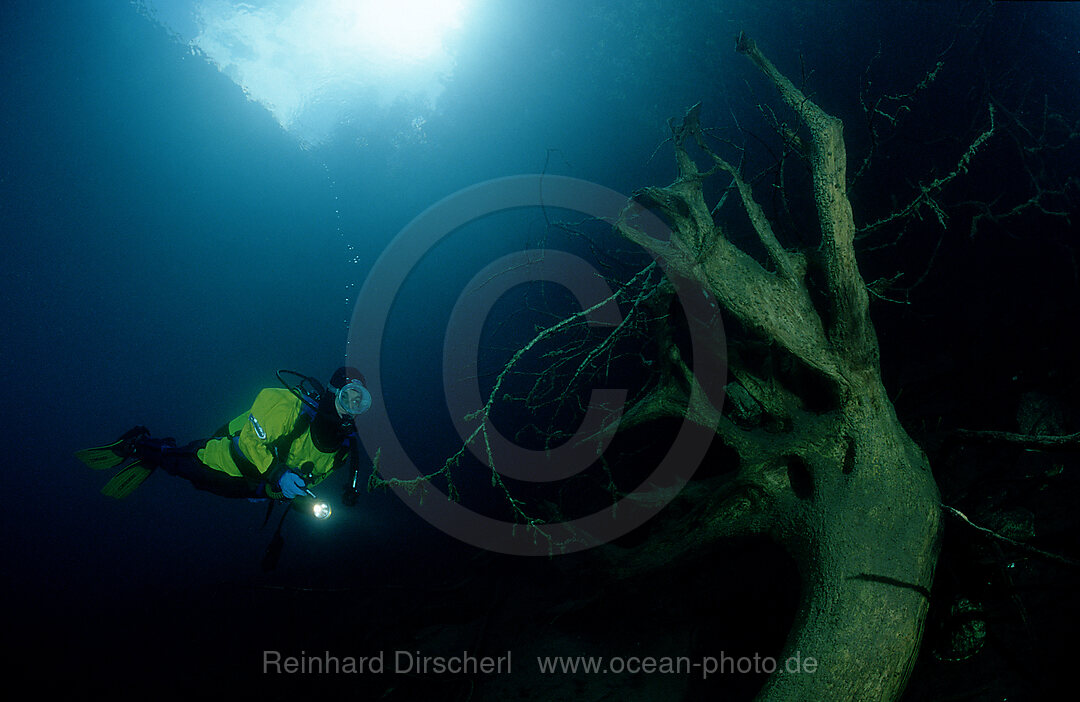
(850, 496)
(864, 529)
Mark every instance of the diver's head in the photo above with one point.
(351, 397)
(345, 400)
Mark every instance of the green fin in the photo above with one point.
(125, 482)
(101, 457)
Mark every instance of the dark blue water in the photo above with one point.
(167, 246)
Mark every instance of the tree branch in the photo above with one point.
(849, 328)
(1064, 442)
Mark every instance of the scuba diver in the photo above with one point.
(290, 440)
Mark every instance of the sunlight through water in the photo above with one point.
(315, 64)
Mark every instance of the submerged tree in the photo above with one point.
(824, 467)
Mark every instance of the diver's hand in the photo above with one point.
(291, 485)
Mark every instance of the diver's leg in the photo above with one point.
(184, 462)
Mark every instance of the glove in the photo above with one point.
(291, 485)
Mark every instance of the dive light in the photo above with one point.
(320, 509)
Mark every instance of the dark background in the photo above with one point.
(167, 246)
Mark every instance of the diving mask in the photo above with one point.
(353, 399)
